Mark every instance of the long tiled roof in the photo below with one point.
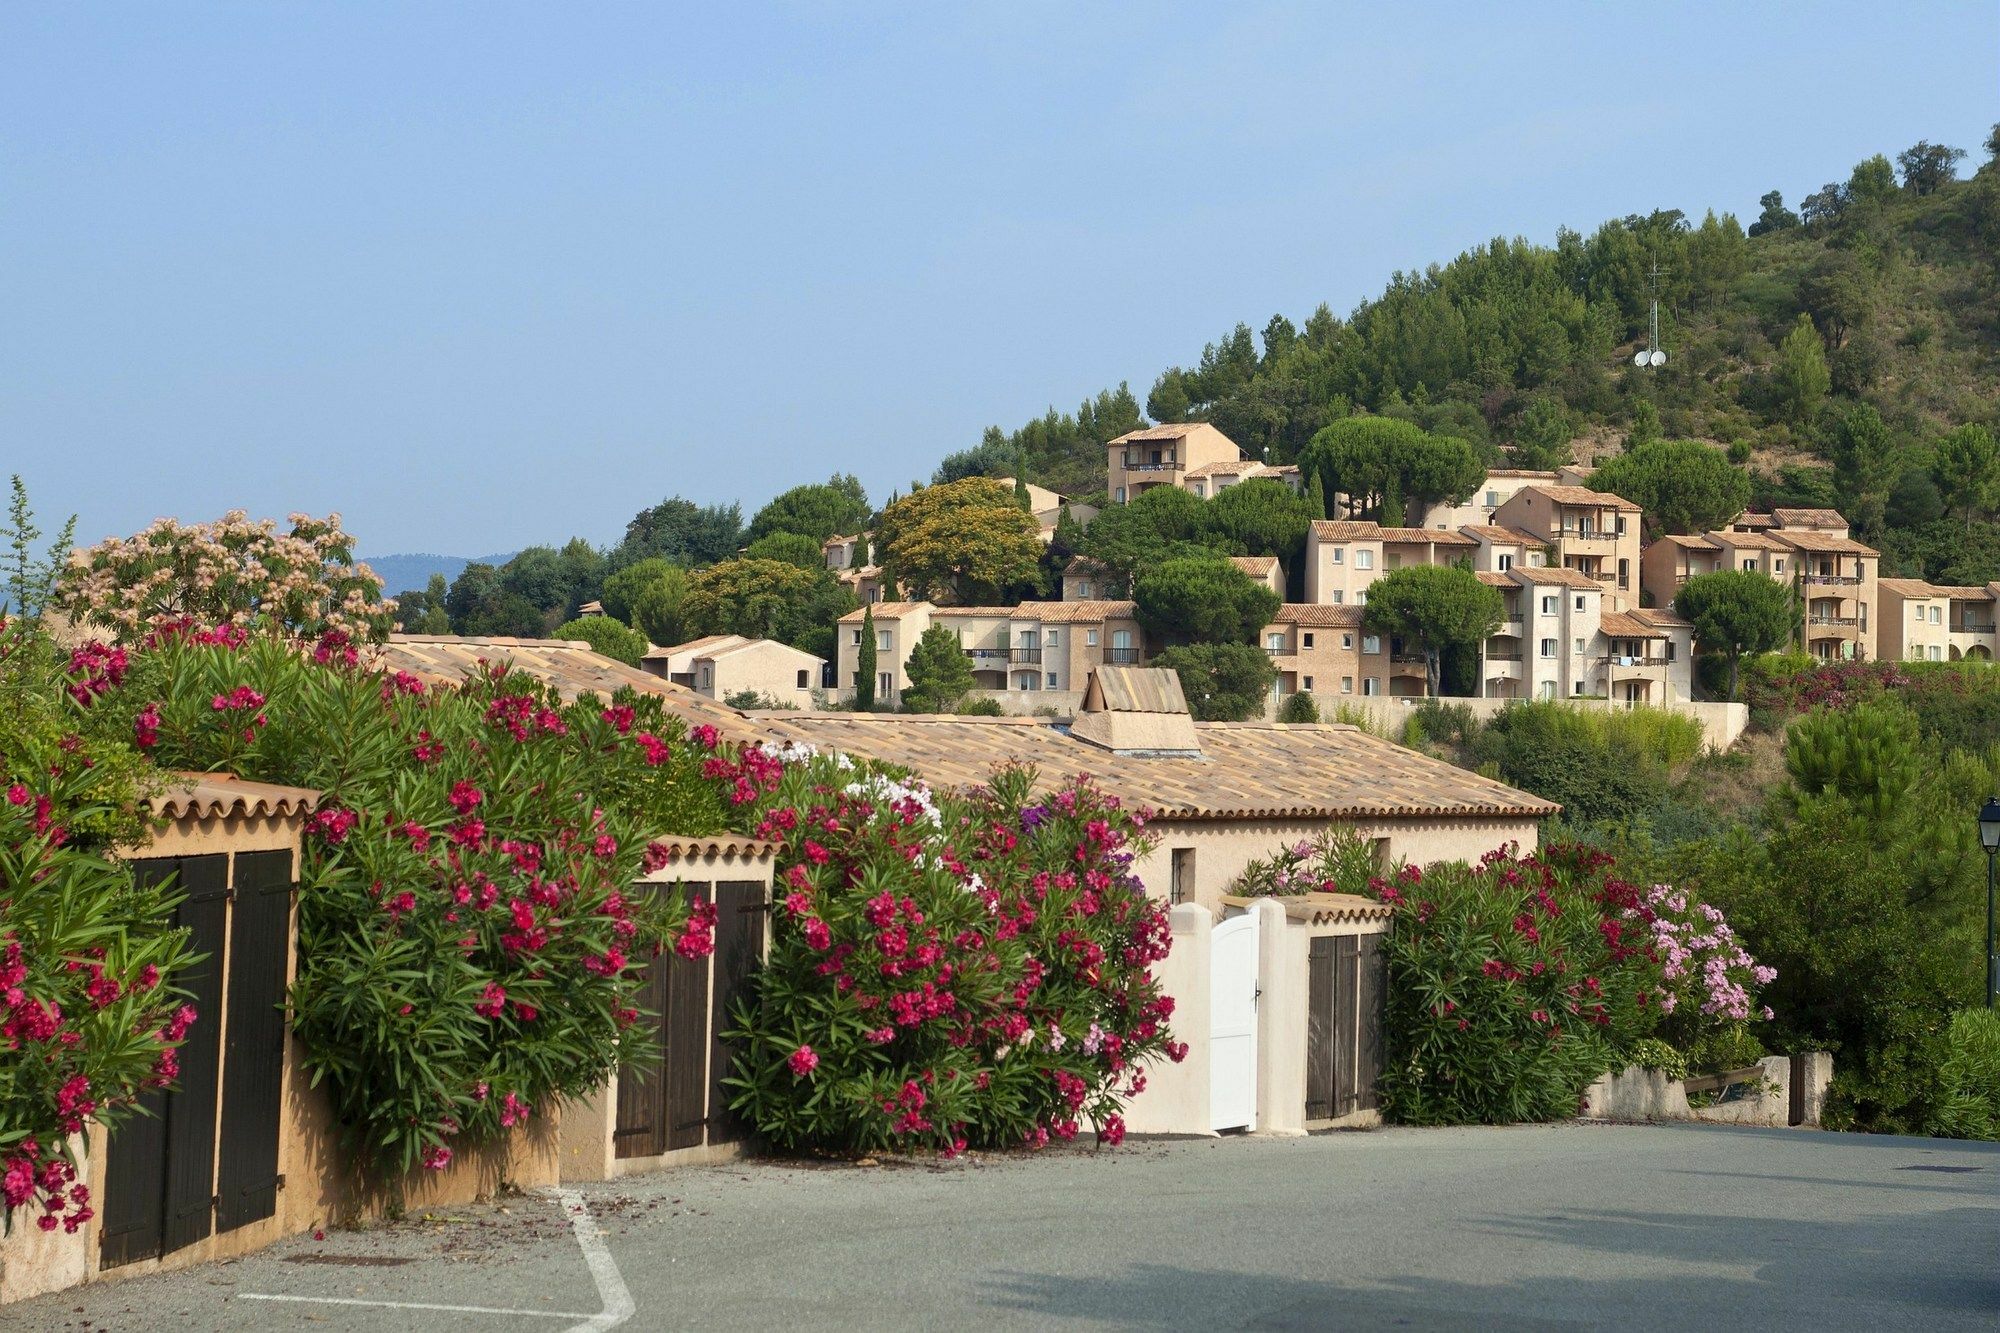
(1494, 578)
(691, 646)
(1693, 542)
(1582, 496)
(1256, 566)
(1628, 625)
(1493, 534)
(1077, 612)
(1910, 587)
(572, 669)
(1242, 467)
(1166, 430)
(1322, 909)
(1314, 615)
(1660, 619)
(1749, 541)
(1568, 578)
(1246, 770)
(203, 796)
(1348, 530)
(882, 610)
(1822, 543)
(1809, 518)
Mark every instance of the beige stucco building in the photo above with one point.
(1808, 550)
(1344, 557)
(1595, 533)
(1032, 649)
(721, 665)
(1929, 622)
(1171, 454)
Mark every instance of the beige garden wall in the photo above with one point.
(1223, 848)
(1176, 1099)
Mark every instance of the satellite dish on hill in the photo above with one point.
(1642, 358)
(1658, 357)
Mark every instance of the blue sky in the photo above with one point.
(478, 276)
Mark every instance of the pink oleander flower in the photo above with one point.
(802, 1061)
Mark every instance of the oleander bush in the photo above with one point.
(1966, 1101)
(950, 971)
(90, 1013)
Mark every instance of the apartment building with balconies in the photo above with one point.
(1164, 455)
(1929, 622)
(1594, 533)
(1326, 652)
(1836, 579)
(1344, 557)
(1034, 647)
(1502, 549)
(1500, 485)
(1672, 560)
(1560, 619)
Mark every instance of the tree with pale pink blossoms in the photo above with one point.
(301, 583)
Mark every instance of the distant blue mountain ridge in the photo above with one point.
(412, 573)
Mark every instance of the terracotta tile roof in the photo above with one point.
(1124, 689)
(1083, 564)
(1170, 430)
(1822, 543)
(1348, 530)
(1242, 467)
(1692, 543)
(682, 850)
(1313, 615)
(1494, 578)
(1077, 612)
(994, 612)
(1493, 534)
(571, 669)
(1909, 587)
(1809, 518)
(1628, 625)
(204, 796)
(1568, 578)
(1345, 530)
(1582, 496)
(1521, 472)
(692, 645)
(1748, 541)
(1256, 566)
(882, 610)
(758, 646)
(1246, 771)
(1660, 619)
(1321, 909)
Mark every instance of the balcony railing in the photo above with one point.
(1169, 466)
(987, 654)
(1417, 658)
(1121, 656)
(1834, 580)
(1024, 654)
(1514, 656)
(1974, 627)
(1278, 651)
(1628, 660)
(1832, 620)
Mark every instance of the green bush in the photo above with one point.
(613, 638)
(1652, 1053)
(1966, 1102)
(1299, 708)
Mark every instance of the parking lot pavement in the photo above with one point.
(1569, 1225)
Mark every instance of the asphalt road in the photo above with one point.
(1572, 1225)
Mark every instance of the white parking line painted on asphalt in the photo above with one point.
(611, 1288)
(420, 1305)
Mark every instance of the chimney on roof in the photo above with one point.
(1137, 711)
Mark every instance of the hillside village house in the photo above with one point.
(1086, 580)
(1499, 486)
(1030, 649)
(724, 664)
(1047, 506)
(1324, 651)
(847, 557)
(1593, 532)
(1344, 557)
(1808, 549)
(1222, 794)
(1928, 622)
(1190, 454)
(1501, 549)
(1265, 569)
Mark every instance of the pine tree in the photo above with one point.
(864, 665)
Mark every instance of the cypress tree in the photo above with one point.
(864, 665)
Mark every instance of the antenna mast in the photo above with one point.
(1651, 355)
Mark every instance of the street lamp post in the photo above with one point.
(1989, 838)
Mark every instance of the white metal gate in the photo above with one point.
(1232, 1024)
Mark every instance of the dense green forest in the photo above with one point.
(1828, 351)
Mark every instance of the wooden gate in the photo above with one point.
(1344, 991)
(677, 1099)
(1232, 1024)
(253, 1075)
(159, 1183)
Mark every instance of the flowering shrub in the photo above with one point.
(89, 1013)
(1515, 982)
(469, 949)
(302, 583)
(950, 971)
(1321, 863)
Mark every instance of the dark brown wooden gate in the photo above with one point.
(253, 1076)
(663, 1103)
(739, 937)
(160, 1167)
(1344, 992)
